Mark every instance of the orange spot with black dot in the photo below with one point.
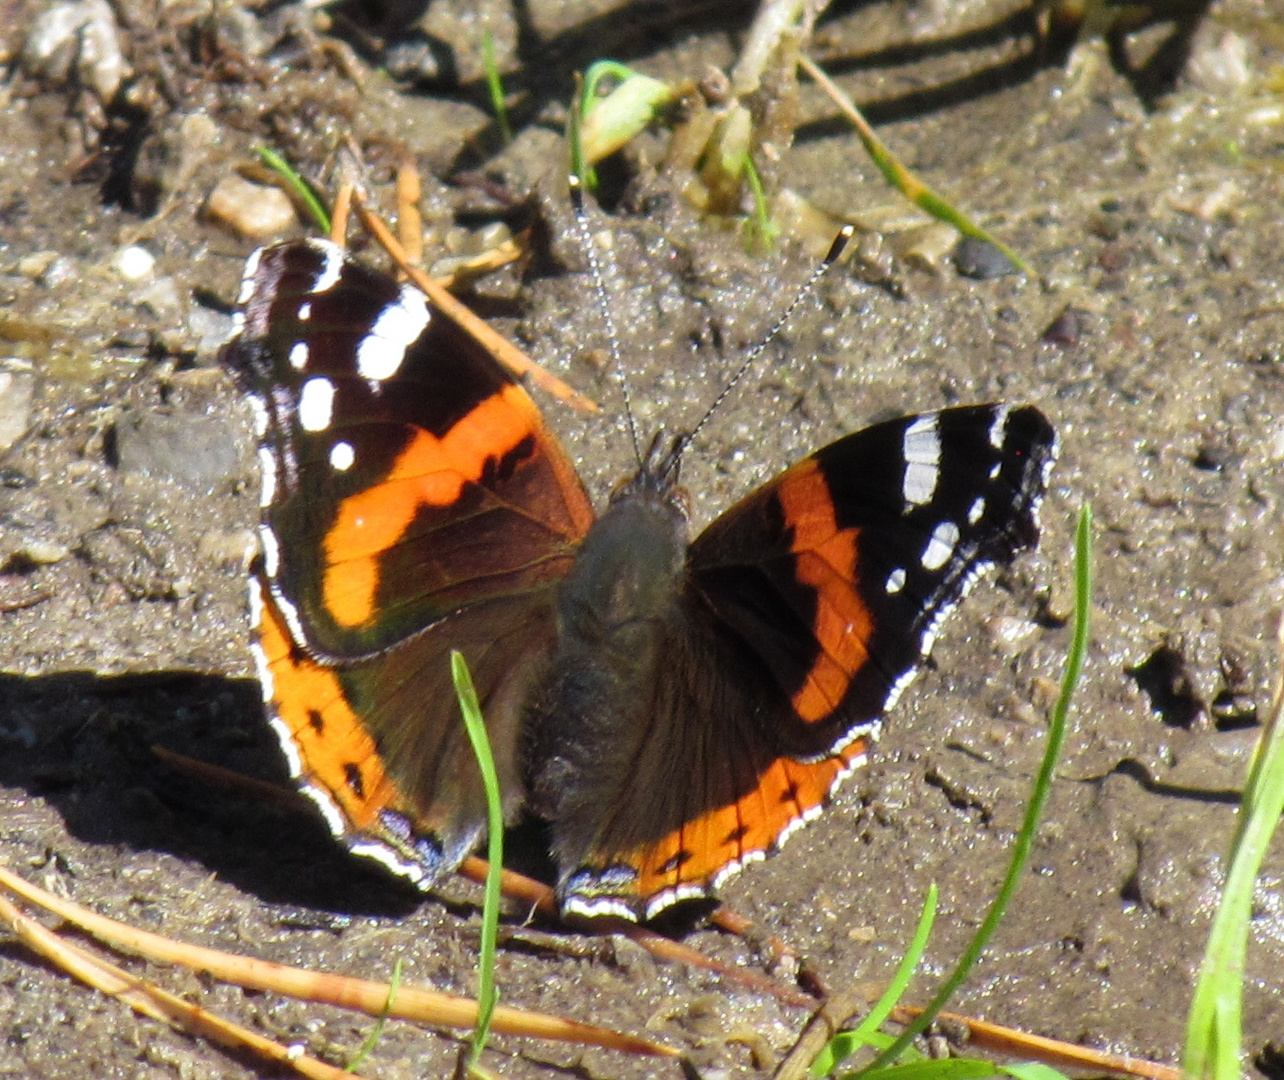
(332, 744)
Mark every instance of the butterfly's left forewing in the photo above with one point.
(405, 473)
(837, 574)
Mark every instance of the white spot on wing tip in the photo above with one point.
(921, 448)
(299, 353)
(342, 456)
(383, 350)
(920, 483)
(248, 275)
(331, 266)
(267, 477)
(895, 581)
(259, 410)
(941, 546)
(271, 551)
(256, 608)
(316, 404)
(999, 428)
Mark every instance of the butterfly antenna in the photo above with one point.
(599, 287)
(751, 357)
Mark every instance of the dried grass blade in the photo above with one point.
(364, 995)
(150, 1000)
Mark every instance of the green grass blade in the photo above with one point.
(600, 125)
(1032, 1070)
(487, 995)
(760, 228)
(495, 87)
(372, 1040)
(934, 1069)
(1034, 810)
(1214, 1029)
(962, 1069)
(579, 167)
(845, 1043)
(298, 185)
(898, 176)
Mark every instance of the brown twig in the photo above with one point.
(1004, 1040)
(495, 343)
(410, 223)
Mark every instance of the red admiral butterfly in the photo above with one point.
(674, 709)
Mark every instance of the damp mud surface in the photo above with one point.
(1141, 181)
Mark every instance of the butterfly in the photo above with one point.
(674, 708)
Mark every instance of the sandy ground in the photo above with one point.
(1147, 199)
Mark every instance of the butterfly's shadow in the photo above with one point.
(84, 745)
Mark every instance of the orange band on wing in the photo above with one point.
(826, 561)
(724, 837)
(430, 471)
(337, 756)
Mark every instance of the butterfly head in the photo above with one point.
(656, 476)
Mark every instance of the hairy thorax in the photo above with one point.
(617, 610)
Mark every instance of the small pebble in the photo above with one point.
(83, 33)
(210, 329)
(229, 549)
(134, 263)
(254, 211)
(419, 60)
(48, 268)
(978, 259)
(193, 449)
(17, 392)
(163, 298)
(36, 265)
(1220, 66)
(1012, 634)
(927, 247)
(1065, 329)
(42, 552)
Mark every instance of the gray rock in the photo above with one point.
(192, 449)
